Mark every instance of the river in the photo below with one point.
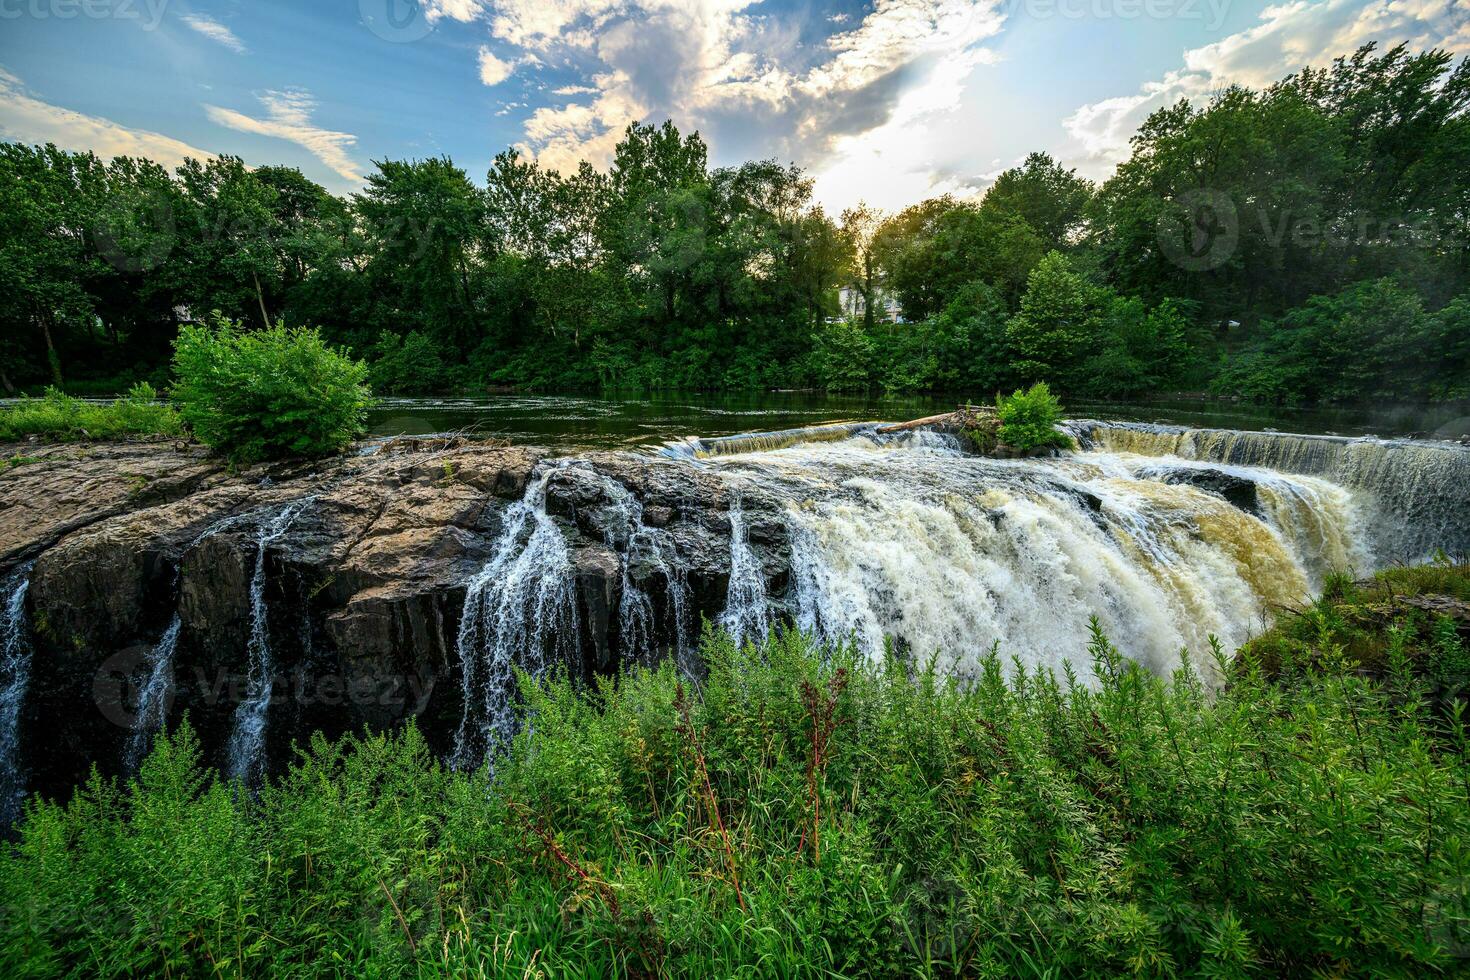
(577, 423)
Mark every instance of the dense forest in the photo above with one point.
(1309, 243)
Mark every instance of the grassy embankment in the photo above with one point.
(58, 417)
(809, 814)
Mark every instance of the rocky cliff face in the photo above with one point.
(358, 597)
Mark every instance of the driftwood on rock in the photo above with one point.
(968, 417)
(938, 421)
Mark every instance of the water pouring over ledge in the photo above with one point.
(848, 532)
(1167, 535)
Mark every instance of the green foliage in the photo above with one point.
(266, 394)
(1371, 339)
(1406, 613)
(1221, 253)
(1010, 823)
(405, 365)
(842, 357)
(59, 416)
(1056, 324)
(1028, 419)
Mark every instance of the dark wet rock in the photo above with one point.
(363, 590)
(1239, 491)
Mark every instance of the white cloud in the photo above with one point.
(493, 70)
(463, 11)
(288, 117)
(748, 82)
(215, 31)
(27, 119)
(1288, 37)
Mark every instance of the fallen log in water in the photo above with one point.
(945, 419)
(967, 417)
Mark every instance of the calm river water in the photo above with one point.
(574, 423)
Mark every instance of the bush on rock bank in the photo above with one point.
(268, 394)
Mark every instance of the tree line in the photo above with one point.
(1305, 243)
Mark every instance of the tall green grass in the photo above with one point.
(802, 813)
(58, 416)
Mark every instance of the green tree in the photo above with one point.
(843, 356)
(1367, 341)
(423, 220)
(1057, 325)
(1049, 198)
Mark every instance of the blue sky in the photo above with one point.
(888, 101)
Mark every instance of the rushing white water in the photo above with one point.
(158, 682)
(15, 678)
(948, 554)
(153, 696)
(1414, 494)
(903, 538)
(247, 739)
(647, 552)
(519, 611)
(747, 614)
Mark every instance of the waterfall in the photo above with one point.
(649, 551)
(153, 697)
(247, 740)
(747, 614)
(15, 677)
(158, 683)
(1170, 538)
(1416, 492)
(520, 608)
(753, 442)
(948, 553)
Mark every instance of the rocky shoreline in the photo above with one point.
(362, 590)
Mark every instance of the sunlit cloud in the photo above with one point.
(745, 79)
(1289, 37)
(27, 119)
(215, 31)
(494, 70)
(288, 117)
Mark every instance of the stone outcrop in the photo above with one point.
(363, 589)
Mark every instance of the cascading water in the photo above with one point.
(903, 537)
(158, 682)
(15, 677)
(651, 552)
(747, 614)
(247, 740)
(153, 696)
(946, 553)
(1414, 494)
(520, 610)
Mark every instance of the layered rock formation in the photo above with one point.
(360, 594)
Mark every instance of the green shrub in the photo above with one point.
(59, 416)
(806, 812)
(267, 394)
(1028, 419)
